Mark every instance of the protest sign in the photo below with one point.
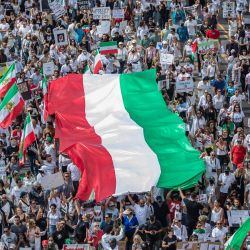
(184, 85)
(83, 4)
(24, 90)
(247, 18)
(123, 26)
(228, 9)
(48, 68)
(202, 198)
(76, 247)
(147, 3)
(187, 245)
(208, 45)
(57, 7)
(61, 37)
(24, 248)
(190, 10)
(101, 13)
(166, 58)
(237, 217)
(52, 181)
(103, 28)
(118, 13)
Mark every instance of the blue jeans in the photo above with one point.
(52, 229)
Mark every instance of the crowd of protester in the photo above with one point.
(213, 115)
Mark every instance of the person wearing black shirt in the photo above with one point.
(12, 148)
(61, 234)
(81, 230)
(169, 241)
(161, 210)
(232, 45)
(193, 208)
(153, 231)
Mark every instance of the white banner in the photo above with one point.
(61, 37)
(57, 8)
(118, 13)
(76, 247)
(166, 58)
(101, 13)
(184, 86)
(48, 68)
(52, 181)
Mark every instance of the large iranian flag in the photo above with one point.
(7, 80)
(28, 137)
(118, 130)
(11, 106)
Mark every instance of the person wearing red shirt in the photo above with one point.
(213, 33)
(95, 238)
(238, 153)
(173, 202)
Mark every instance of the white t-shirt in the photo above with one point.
(75, 173)
(141, 213)
(212, 165)
(219, 234)
(191, 27)
(227, 180)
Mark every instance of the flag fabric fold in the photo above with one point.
(97, 64)
(27, 138)
(237, 239)
(11, 106)
(7, 80)
(119, 132)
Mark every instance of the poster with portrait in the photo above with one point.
(228, 8)
(24, 90)
(61, 37)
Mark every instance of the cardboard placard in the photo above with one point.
(237, 217)
(118, 13)
(166, 58)
(24, 90)
(101, 13)
(83, 4)
(48, 68)
(52, 181)
(228, 9)
(103, 28)
(57, 8)
(76, 247)
(184, 85)
(123, 26)
(61, 37)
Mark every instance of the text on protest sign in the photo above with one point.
(118, 13)
(52, 181)
(76, 247)
(184, 85)
(237, 217)
(57, 8)
(83, 4)
(209, 45)
(101, 13)
(166, 58)
(228, 9)
(48, 68)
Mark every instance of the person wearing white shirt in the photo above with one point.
(142, 210)
(225, 181)
(237, 97)
(107, 237)
(191, 26)
(180, 231)
(84, 56)
(219, 232)
(212, 166)
(75, 175)
(218, 100)
(203, 86)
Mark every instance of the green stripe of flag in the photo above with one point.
(164, 131)
(107, 44)
(12, 92)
